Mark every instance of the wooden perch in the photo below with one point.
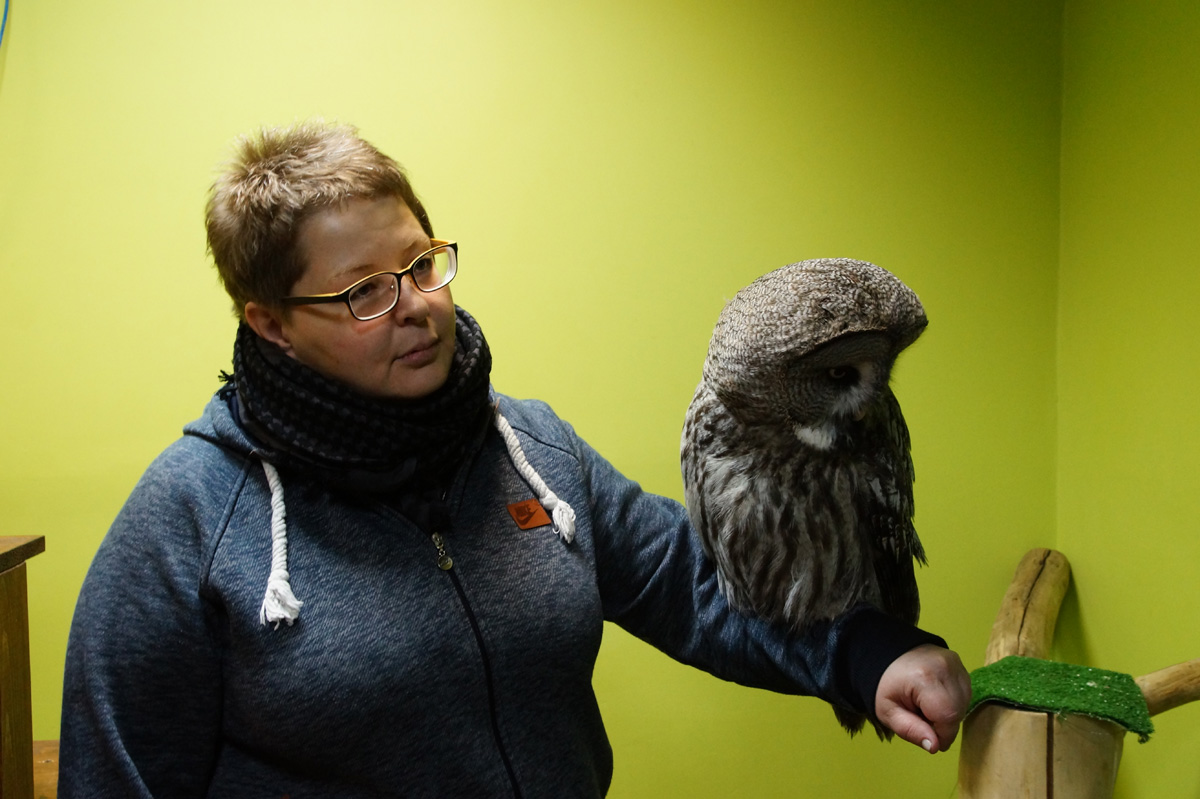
(1171, 687)
(1007, 752)
(1029, 610)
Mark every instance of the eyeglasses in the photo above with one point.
(377, 294)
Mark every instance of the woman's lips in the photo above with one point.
(421, 356)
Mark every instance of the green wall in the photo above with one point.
(615, 170)
(1129, 375)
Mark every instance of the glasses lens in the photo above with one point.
(374, 296)
(435, 269)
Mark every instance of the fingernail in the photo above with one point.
(927, 745)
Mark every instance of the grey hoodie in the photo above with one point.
(399, 677)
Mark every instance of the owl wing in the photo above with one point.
(697, 441)
(719, 500)
(888, 510)
(739, 504)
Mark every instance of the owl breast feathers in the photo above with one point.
(795, 455)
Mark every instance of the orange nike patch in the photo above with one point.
(528, 514)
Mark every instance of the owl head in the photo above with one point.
(811, 346)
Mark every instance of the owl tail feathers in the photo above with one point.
(854, 722)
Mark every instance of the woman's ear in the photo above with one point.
(268, 324)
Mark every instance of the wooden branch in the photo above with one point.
(1171, 687)
(1034, 754)
(1029, 610)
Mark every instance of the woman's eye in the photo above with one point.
(361, 293)
(364, 291)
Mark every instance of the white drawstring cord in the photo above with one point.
(279, 604)
(561, 512)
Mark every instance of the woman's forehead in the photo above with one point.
(358, 237)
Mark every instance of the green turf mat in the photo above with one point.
(1062, 688)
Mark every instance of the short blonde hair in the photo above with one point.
(276, 179)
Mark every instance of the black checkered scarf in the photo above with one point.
(322, 428)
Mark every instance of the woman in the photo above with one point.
(362, 573)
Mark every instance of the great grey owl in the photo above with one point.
(795, 455)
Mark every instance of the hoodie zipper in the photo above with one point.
(446, 564)
(444, 561)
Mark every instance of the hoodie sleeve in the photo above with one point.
(656, 583)
(142, 689)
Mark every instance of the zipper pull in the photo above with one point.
(444, 561)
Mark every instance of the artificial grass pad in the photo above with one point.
(1062, 688)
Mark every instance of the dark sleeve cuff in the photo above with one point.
(868, 640)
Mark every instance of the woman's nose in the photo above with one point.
(410, 305)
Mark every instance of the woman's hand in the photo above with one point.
(923, 697)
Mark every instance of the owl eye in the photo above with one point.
(847, 375)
